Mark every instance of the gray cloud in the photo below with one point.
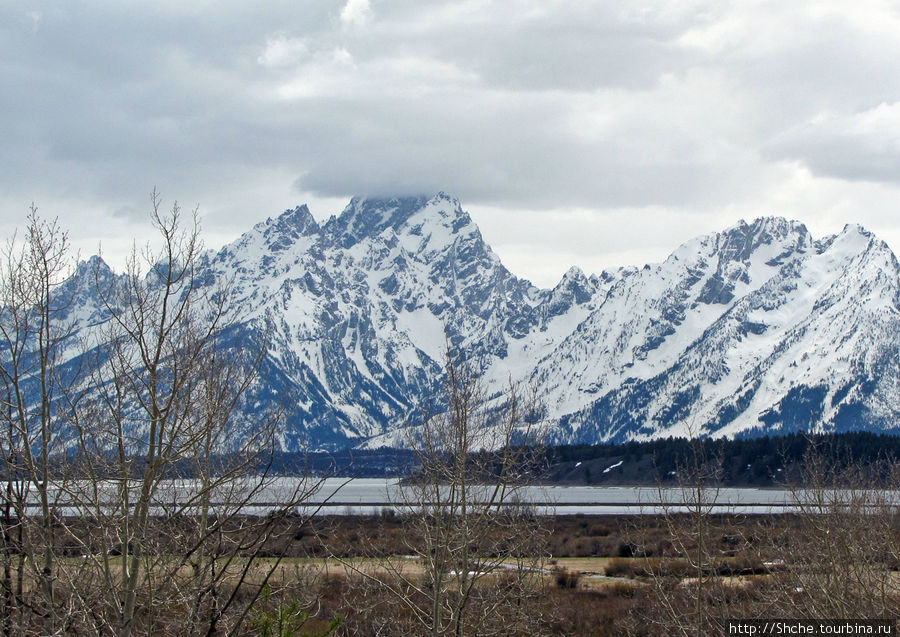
(662, 107)
(862, 146)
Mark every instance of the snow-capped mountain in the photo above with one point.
(756, 329)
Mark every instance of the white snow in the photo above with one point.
(818, 307)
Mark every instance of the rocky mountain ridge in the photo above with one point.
(756, 329)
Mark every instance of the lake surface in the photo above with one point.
(374, 495)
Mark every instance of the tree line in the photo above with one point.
(764, 461)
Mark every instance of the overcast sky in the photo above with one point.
(576, 133)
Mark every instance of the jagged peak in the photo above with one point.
(574, 276)
(854, 238)
(275, 234)
(740, 240)
(297, 221)
(369, 216)
(94, 266)
(763, 227)
(83, 284)
(855, 228)
(95, 261)
(574, 287)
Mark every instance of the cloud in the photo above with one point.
(860, 146)
(356, 12)
(282, 50)
(664, 109)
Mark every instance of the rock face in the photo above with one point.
(757, 329)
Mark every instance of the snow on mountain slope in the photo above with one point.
(808, 348)
(754, 329)
(650, 316)
(363, 307)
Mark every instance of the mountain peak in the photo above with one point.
(370, 216)
(764, 229)
(300, 218)
(290, 225)
(574, 273)
(742, 240)
(94, 264)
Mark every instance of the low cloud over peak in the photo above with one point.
(659, 113)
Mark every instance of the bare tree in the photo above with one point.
(171, 473)
(162, 326)
(478, 545)
(132, 484)
(843, 557)
(684, 587)
(131, 490)
(33, 330)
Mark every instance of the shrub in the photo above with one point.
(566, 579)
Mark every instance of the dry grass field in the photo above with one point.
(598, 575)
(602, 575)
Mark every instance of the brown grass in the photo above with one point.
(608, 575)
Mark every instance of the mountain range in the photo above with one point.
(757, 329)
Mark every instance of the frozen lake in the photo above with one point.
(373, 495)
